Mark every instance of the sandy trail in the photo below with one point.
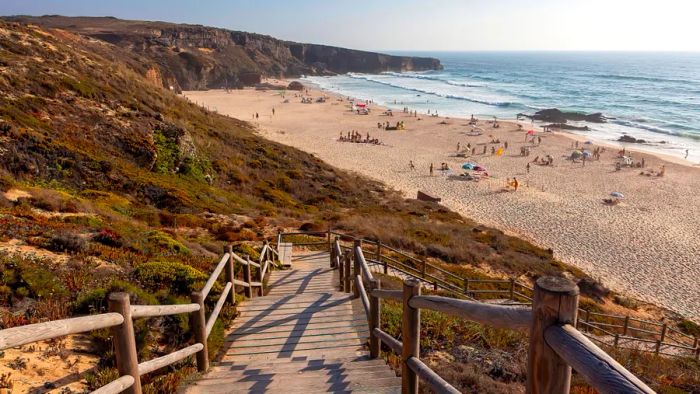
(647, 247)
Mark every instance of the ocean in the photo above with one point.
(652, 96)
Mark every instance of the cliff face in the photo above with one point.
(193, 57)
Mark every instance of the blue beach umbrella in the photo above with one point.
(617, 194)
(468, 166)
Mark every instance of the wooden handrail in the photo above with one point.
(215, 275)
(600, 370)
(138, 311)
(363, 294)
(499, 316)
(22, 335)
(363, 264)
(116, 386)
(438, 384)
(390, 294)
(393, 343)
(171, 358)
(215, 312)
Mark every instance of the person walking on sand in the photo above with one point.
(686, 153)
(431, 169)
(515, 184)
(505, 145)
(527, 167)
(458, 147)
(411, 165)
(484, 152)
(256, 115)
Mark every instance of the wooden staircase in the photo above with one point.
(304, 336)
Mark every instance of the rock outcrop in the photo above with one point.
(193, 57)
(555, 115)
(630, 139)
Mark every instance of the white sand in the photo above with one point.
(647, 247)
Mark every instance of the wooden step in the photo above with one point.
(295, 346)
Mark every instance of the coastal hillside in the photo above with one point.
(110, 182)
(193, 57)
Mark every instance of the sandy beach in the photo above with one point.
(647, 246)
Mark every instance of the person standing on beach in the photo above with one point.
(527, 168)
(515, 184)
(431, 169)
(686, 154)
(484, 152)
(458, 147)
(505, 145)
(273, 111)
(411, 165)
(256, 115)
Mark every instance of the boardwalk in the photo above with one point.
(303, 337)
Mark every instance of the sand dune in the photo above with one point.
(647, 246)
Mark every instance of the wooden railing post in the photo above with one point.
(356, 267)
(341, 271)
(374, 319)
(198, 322)
(586, 328)
(626, 325)
(125, 341)
(555, 302)
(661, 339)
(348, 276)
(279, 240)
(259, 277)
(330, 245)
(247, 277)
(512, 289)
(379, 250)
(230, 273)
(410, 334)
(334, 251)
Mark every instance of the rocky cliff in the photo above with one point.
(192, 57)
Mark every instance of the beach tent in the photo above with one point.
(469, 166)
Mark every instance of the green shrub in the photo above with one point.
(166, 243)
(246, 249)
(95, 300)
(689, 327)
(178, 278)
(43, 283)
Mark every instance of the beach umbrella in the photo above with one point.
(589, 142)
(468, 166)
(575, 154)
(587, 153)
(479, 168)
(617, 194)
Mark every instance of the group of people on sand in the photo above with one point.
(354, 136)
(387, 126)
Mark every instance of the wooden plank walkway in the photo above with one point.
(303, 337)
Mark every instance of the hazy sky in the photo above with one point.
(421, 25)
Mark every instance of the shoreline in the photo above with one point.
(558, 207)
(642, 148)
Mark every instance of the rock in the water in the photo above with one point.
(295, 85)
(555, 115)
(630, 139)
